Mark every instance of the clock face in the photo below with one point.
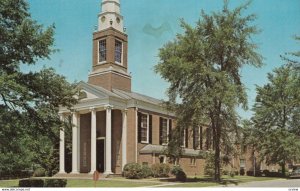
(103, 19)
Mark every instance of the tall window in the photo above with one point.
(144, 128)
(198, 139)
(242, 163)
(164, 131)
(102, 50)
(118, 51)
(184, 138)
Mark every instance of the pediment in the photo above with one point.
(88, 92)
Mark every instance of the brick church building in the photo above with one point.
(112, 125)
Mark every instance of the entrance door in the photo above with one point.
(100, 155)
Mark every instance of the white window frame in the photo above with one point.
(122, 52)
(193, 161)
(183, 145)
(168, 124)
(164, 158)
(98, 52)
(244, 163)
(147, 142)
(199, 138)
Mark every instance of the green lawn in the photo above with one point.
(88, 183)
(108, 183)
(121, 182)
(8, 183)
(205, 182)
(194, 184)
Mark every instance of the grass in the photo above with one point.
(206, 182)
(108, 183)
(121, 182)
(88, 183)
(9, 183)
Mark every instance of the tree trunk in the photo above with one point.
(283, 169)
(217, 138)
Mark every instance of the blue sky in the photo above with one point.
(75, 20)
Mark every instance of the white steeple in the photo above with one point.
(110, 15)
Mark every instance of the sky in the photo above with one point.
(75, 21)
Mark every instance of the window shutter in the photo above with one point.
(139, 125)
(201, 138)
(160, 131)
(150, 129)
(194, 138)
(170, 129)
(186, 138)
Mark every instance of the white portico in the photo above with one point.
(95, 101)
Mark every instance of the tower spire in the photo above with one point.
(110, 15)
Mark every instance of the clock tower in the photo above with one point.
(110, 68)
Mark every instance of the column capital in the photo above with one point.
(92, 108)
(60, 113)
(124, 110)
(73, 111)
(108, 106)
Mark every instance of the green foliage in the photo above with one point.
(202, 66)
(39, 172)
(133, 171)
(275, 129)
(29, 102)
(160, 170)
(242, 172)
(55, 183)
(179, 173)
(146, 170)
(209, 164)
(31, 183)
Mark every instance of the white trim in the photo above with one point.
(184, 145)
(110, 71)
(124, 138)
(98, 51)
(168, 124)
(78, 142)
(164, 158)
(122, 52)
(62, 147)
(193, 161)
(93, 140)
(148, 129)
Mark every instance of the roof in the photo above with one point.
(123, 94)
(159, 149)
(137, 96)
(99, 89)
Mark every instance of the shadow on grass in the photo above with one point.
(203, 180)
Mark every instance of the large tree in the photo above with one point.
(29, 101)
(202, 66)
(277, 117)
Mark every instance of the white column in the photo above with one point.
(93, 140)
(124, 138)
(62, 148)
(108, 141)
(74, 143)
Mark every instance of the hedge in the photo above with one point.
(17, 174)
(30, 182)
(55, 183)
(251, 173)
(179, 173)
(160, 170)
(133, 171)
